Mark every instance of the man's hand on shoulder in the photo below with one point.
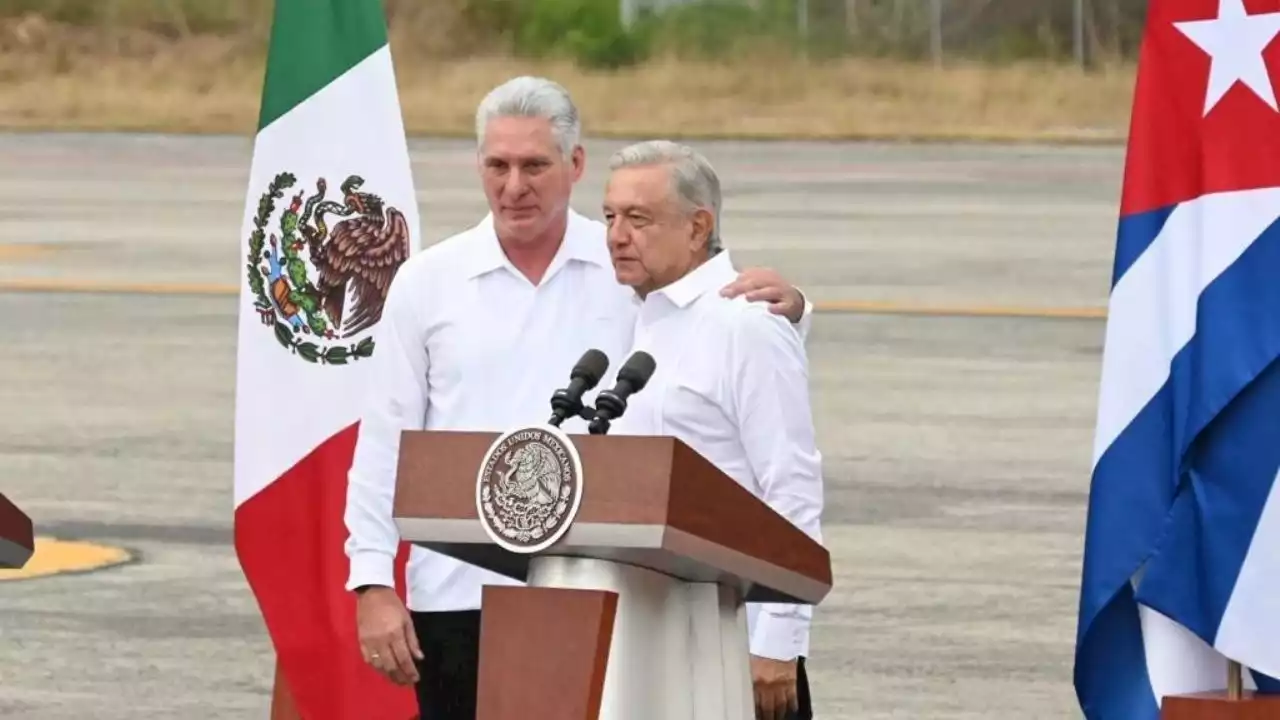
(767, 285)
(774, 682)
(387, 638)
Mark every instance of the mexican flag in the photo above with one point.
(330, 216)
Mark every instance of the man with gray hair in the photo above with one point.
(731, 379)
(477, 332)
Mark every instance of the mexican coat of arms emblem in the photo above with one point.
(529, 488)
(320, 289)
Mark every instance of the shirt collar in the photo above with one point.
(583, 241)
(711, 275)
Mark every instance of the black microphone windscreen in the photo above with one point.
(591, 367)
(638, 369)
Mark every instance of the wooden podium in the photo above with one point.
(637, 610)
(17, 536)
(1219, 706)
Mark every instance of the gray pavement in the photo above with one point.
(956, 448)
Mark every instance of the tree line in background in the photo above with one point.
(594, 34)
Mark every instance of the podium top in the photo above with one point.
(648, 501)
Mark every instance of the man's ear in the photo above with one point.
(703, 224)
(579, 162)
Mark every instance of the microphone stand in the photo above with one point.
(586, 412)
(598, 426)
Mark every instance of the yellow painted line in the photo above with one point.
(896, 308)
(866, 307)
(108, 287)
(10, 252)
(56, 557)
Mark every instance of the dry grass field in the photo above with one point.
(54, 76)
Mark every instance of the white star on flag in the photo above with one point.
(1235, 41)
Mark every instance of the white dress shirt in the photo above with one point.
(732, 382)
(466, 342)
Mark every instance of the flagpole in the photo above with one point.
(1235, 681)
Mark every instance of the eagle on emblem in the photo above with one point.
(533, 475)
(360, 254)
(312, 285)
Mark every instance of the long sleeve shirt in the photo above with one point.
(466, 342)
(731, 381)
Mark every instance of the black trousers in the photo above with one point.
(449, 669)
(448, 672)
(805, 703)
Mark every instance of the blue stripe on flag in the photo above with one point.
(1111, 667)
(1131, 499)
(1266, 685)
(1229, 475)
(1231, 386)
(1134, 235)
(1132, 488)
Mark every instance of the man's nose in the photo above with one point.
(516, 182)
(616, 235)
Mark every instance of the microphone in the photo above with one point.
(632, 377)
(567, 402)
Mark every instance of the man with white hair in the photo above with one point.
(731, 379)
(477, 332)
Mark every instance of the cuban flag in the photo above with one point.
(1182, 548)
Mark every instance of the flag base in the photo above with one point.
(1219, 706)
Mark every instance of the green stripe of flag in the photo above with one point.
(313, 42)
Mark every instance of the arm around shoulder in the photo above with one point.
(395, 399)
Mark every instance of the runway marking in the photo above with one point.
(10, 252)
(850, 307)
(73, 286)
(57, 557)
(1020, 311)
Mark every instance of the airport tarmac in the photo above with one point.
(955, 364)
